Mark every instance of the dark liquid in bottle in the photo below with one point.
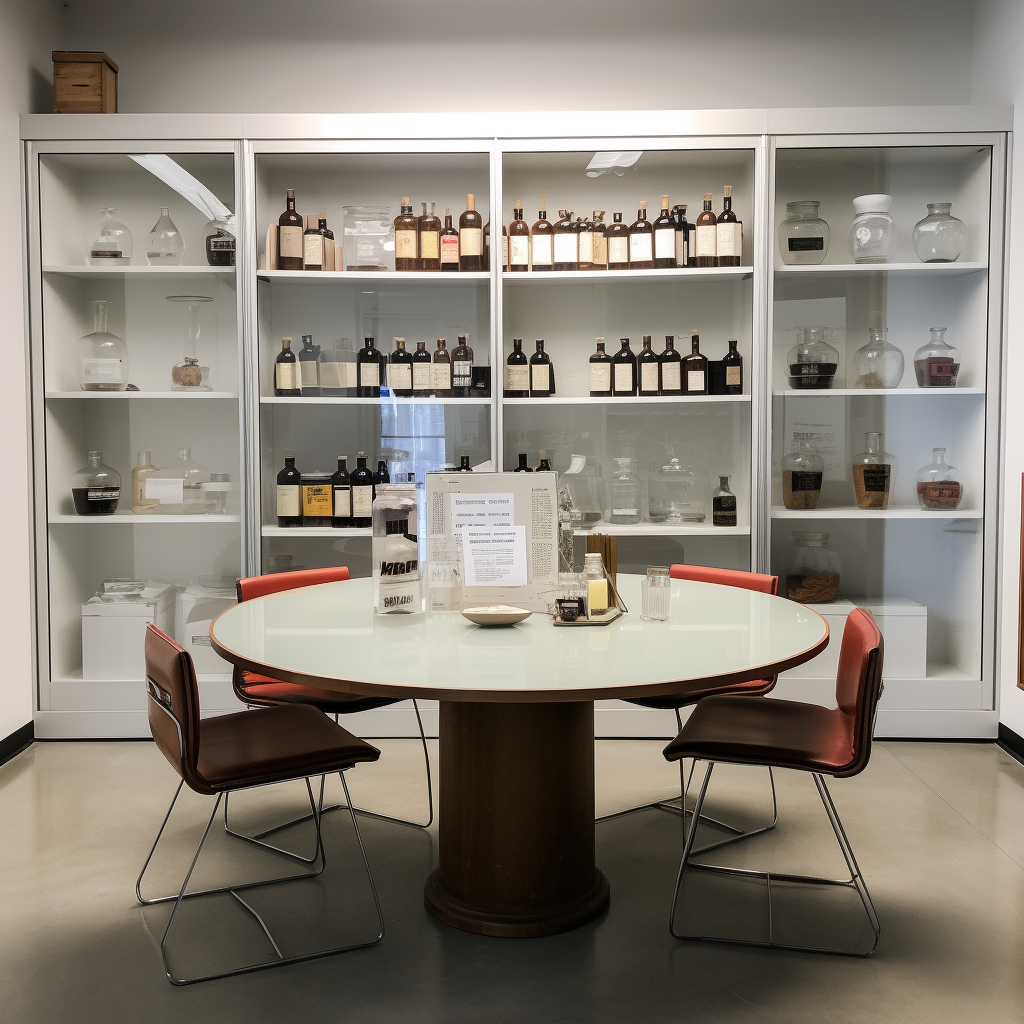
(95, 501)
(812, 375)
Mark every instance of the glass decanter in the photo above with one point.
(812, 361)
(938, 484)
(803, 235)
(872, 233)
(624, 493)
(110, 242)
(678, 493)
(877, 364)
(102, 356)
(220, 244)
(940, 237)
(165, 247)
(874, 474)
(96, 489)
(937, 364)
(814, 572)
(802, 472)
(188, 375)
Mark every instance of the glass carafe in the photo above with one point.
(877, 364)
(678, 493)
(872, 233)
(110, 242)
(802, 472)
(803, 235)
(812, 361)
(188, 375)
(814, 572)
(586, 489)
(937, 364)
(938, 484)
(102, 356)
(96, 488)
(874, 474)
(624, 493)
(940, 237)
(165, 247)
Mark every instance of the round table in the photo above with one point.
(516, 793)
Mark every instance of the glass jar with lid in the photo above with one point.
(397, 580)
(878, 364)
(802, 472)
(678, 493)
(624, 493)
(803, 235)
(938, 484)
(937, 364)
(102, 356)
(598, 598)
(812, 361)
(940, 237)
(110, 242)
(874, 474)
(814, 571)
(872, 233)
(655, 593)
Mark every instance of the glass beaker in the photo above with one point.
(678, 493)
(655, 594)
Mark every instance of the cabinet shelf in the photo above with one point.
(316, 531)
(114, 395)
(665, 530)
(904, 512)
(131, 519)
(632, 400)
(905, 269)
(594, 276)
(274, 400)
(76, 677)
(419, 277)
(85, 273)
(876, 392)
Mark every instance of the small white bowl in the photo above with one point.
(496, 615)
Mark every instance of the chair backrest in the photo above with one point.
(726, 577)
(859, 685)
(173, 704)
(274, 583)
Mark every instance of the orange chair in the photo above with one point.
(788, 734)
(265, 691)
(690, 694)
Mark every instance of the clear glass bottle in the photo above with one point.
(803, 235)
(812, 361)
(624, 493)
(872, 233)
(940, 237)
(814, 571)
(874, 474)
(102, 356)
(938, 484)
(188, 374)
(141, 505)
(655, 594)
(217, 491)
(802, 473)
(678, 493)
(110, 242)
(220, 244)
(368, 239)
(586, 489)
(96, 488)
(724, 508)
(878, 364)
(397, 580)
(165, 247)
(598, 598)
(937, 364)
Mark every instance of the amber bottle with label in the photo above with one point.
(518, 241)
(462, 369)
(729, 234)
(309, 368)
(449, 245)
(618, 244)
(682, 234)
(600, 230)
(430, 240)
(671, 368)
(286, 372)
(585, 244)
(600, 372)
(695, 369)
(407, 237)
(422, 372)
(312, 246)
(723, 504)
(517, 372)
(542, 254)
(707, 235)
(566, 242)
(664, 238)
(624, 370)
(368, 369)
(289, 494)
(733, 363)
(648, 371)
(542, 383)
(441, 378)
(641, 241)
(400, 370)
(289, 236)
(471, 237)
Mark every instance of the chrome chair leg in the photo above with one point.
(855, 881)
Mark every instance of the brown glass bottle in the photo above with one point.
(430, 240)
(707, 235)
(641, 241)
(286, 372)
(695, 369)
(729, 234)
(518, 241)
(618, 244)
(542, 383)
(542, 255)
(289, 237)
(566, 242)
(368, 362)
(600, 241)
(312, 246)
(441, 378)
(422, 372)
(471, 237)
(671, 368)
(400, 370)
(504, 248)
(682, 234)
(517, 372)
(624, 371)
(600, 372)
(462, 369)
(664, 238)
(648, 371)
(733, 363)
(330, 253)
(407, 236)
(585, 244)
(449, 245)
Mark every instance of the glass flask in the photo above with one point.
(872, 233)
(96, 489)
(394, 548)
(803, 235)
(938, 484)
(655, 594)
(102, 356)
(165, 247)
(874, 474)
(877, 364)
(812, 361)
(678, 493)
(937, 364)
(188, 375)
(940, 237)
(814, 571)
(598, 598)
(369, 238)
(110, 242)
(624, 493)
(220, 244)
(802, 472)
(586, 489)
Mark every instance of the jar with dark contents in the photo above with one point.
(815, 572)
(96, 489)
(812, 361)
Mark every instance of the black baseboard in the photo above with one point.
(1011, 743)
(21, 739)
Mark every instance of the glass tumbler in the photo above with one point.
(655, 594)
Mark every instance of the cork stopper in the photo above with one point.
(694, 334)
(287, 342)
(727, 191)
(597, 213)
(543, 202)
(519, 204)
(664, 202)
(405, 201)
(397, 340)
(707, 197)
(323, 214)
(643, 204)
(470, 201)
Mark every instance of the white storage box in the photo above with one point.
(826, 664)
(114, 629)
(195, 609)
(904, 626)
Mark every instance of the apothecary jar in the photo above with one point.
(813, 362)
(814, 571)
(940, 237)
(872, 233)
(803, 235)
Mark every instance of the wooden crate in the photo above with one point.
(84, 83)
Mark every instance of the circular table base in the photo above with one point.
(521, 923)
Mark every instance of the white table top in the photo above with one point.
(328, 636)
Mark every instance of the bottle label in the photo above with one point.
(723, 510)
(517, 378)
(362, 501)
(342, 502)
(649, 378)
(671, 376)
(101, 371)
(624, 377)
(288, 499)
(540, 377)
(405, 244)
(313, 250)
(640, 248)
(349, 375)
(449, 248)
(680, 242)
(618, 252)
(805, 481)
(330, 254)
(169, 490)
(734, 376)
(600, 376)
(665, 244)
(369, 374)
(626, 512)
(566, 248)
(308, 377)
(284, 377)
(289, 241)
(471, 241)
(441, 377)
(600, 249)
(429, 248)
(330, 375)
(807, 244)
(213, 244)
(730, 239)
(586, 253)
(541, 250)
(316, 500)
(876, 478)
(519, 250)
(400, 376)
(103, 493)
(707, 240)
(695, 380)
(422, 375)
(504, 252)
(462, 373)
(942, 373)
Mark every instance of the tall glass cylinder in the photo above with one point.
(188, 374)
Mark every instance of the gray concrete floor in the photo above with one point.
(938, 829)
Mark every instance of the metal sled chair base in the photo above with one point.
(855, 881)
(234, 890)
